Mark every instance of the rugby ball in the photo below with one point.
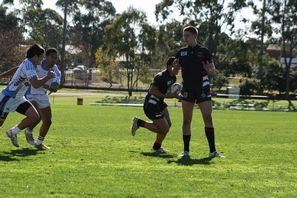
(175, 88)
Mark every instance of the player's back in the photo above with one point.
(18, 85)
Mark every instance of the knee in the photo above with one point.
(35, 118)
(165, 130)
(187, 122)
(1, 123)
(169, 125)
(48, 122)
(208, 119)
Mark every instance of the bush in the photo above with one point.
(249, 87)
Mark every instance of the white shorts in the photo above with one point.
(9, 104)
(42, 100)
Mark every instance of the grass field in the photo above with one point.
(93, 155)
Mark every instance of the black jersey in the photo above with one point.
(191, 60)
(163, 80)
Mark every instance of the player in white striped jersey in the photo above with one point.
(40, 99)
(12, 97)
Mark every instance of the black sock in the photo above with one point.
(209, 132)
(156, 146)
(187, 139)
(140, 123)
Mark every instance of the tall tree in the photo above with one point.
(284, 13)
(122, 39)
(11, 51)
(211, 13)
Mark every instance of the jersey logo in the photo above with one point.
(183, 53)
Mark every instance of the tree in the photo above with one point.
(284, 13)
(11, 51)
(89, 23)
(107, 65)
(122, 40)
(262, 27)
(45, 26)
(211, 14)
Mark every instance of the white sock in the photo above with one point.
(28, 130)
(15, 130)
(39, 140)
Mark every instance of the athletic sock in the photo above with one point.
(140, 123)
(156, 146)
(209, 132)
(15, 130)
(28, 130)
(186, 139)
(39, 140)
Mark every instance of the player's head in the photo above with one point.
(35, 53)
(171, 67)
(51, 56)
(190, 34)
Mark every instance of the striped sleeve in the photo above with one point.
(57, 79)
(29, 70)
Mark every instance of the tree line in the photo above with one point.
(128, 42)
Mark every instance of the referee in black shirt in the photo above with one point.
(196, 64)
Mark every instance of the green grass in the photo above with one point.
(94, 155)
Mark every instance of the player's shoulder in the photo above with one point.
(27, 64)
(203, 48)
(56, 68)
(185, 48)
(161, 74)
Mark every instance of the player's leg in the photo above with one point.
(159, 126)
(160, 137)
(153, 112)
(3, 115)
(46, 117)
(29, 130)
(187, 120)
(32, 117)
(206, 111)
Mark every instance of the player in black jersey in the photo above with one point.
(154, 106)
(196, 64)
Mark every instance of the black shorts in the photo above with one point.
(196, 96)
(22, 108)
(154, 109)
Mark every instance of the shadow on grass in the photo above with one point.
(155, 154)
(10, 156)
(187, 161)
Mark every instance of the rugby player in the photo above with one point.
(39, 97)
(12, 97)
(155, 108)
(196, 64)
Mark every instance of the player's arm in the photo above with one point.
(210, 68)
(208, 63)
(154, 90)
(9, 73)
(55, 85)
(38, 82)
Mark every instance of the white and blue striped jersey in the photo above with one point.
(18, 85)
(42, 71)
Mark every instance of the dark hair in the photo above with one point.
(51, 51)
(170, 61)
(35, 49)
(191, 29)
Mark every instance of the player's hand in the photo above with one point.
(172, 95)
(51, 74)
(209, 67)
